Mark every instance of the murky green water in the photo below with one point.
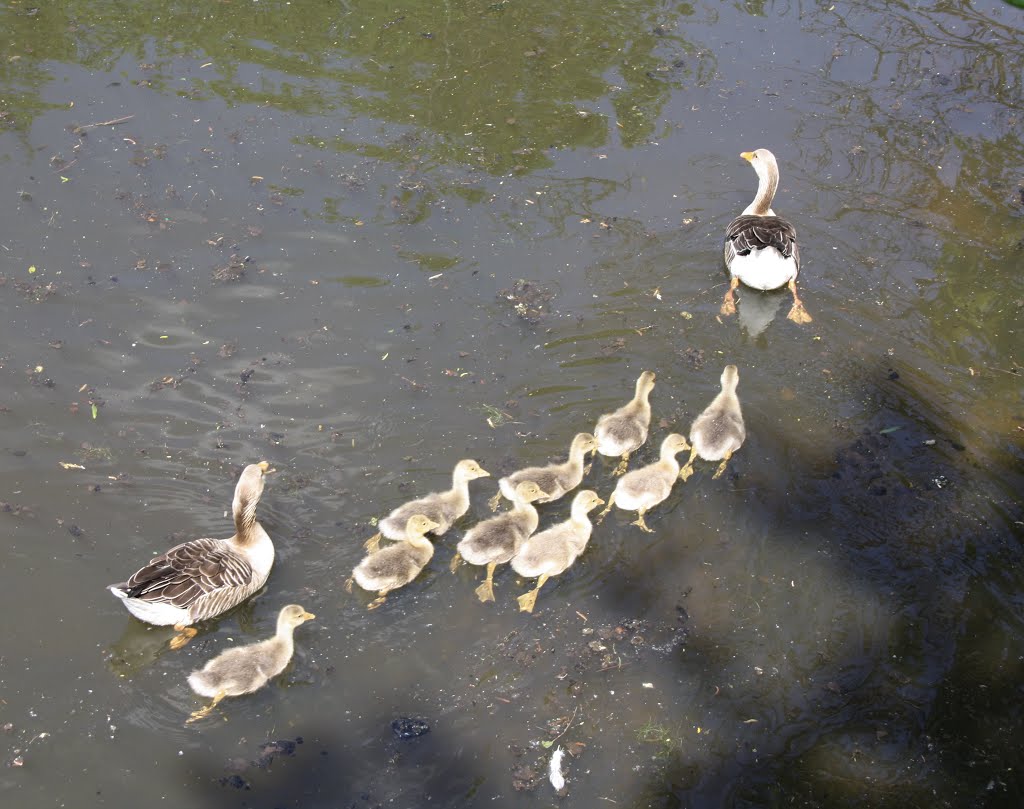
(238, 231)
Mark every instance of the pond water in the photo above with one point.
(364, 240)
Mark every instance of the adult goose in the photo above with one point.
(761, 250)
(202, 578)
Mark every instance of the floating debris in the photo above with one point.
(555, 770)
(409, 727)
(529, 300)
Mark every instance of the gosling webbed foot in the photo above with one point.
(527, 601)
(622, 467)
(202, 713)
(641, 524)
(485, 592)
(185, 634)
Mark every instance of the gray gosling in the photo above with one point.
(719, 431)
(443, 508)
(554, 549)
(556, 479)
(387, 569)
(248, 668)
(496, 540)
(647, 486)
(625, 430)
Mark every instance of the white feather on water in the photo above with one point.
(555, 770)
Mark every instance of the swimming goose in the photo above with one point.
(555, 479)
(496, 540)
(760, 247)
(202, 578)
(387, 569)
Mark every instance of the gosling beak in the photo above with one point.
(748, 156)
(599, 502)
(308, 616)
(484, 472)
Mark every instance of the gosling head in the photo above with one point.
(585, 442)
(293, 615)
(528, 491)
(469, 469)
(587, 500)
(674, 443)
(418, 525)
(645, 384)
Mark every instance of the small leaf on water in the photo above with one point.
(889, 430)
(32, 269)
(95, 410)
(546, 744)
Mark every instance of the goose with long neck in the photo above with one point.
(202, 578)
(443, 508)
(761, 249)
(248, 668)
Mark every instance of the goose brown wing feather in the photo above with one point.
(750, 232)
(189, 571)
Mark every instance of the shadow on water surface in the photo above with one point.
(892, 710)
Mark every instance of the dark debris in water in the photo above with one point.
(234, 270)
(694, 357)
(16, 509)
(32, 290)
(281, 747)
(406, 727)
(235, 781)
(529, 300)
(268, 751)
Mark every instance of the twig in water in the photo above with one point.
(567, 726)
(111, 122)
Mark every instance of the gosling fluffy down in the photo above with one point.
(248, 668)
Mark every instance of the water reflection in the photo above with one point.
(758, 310)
